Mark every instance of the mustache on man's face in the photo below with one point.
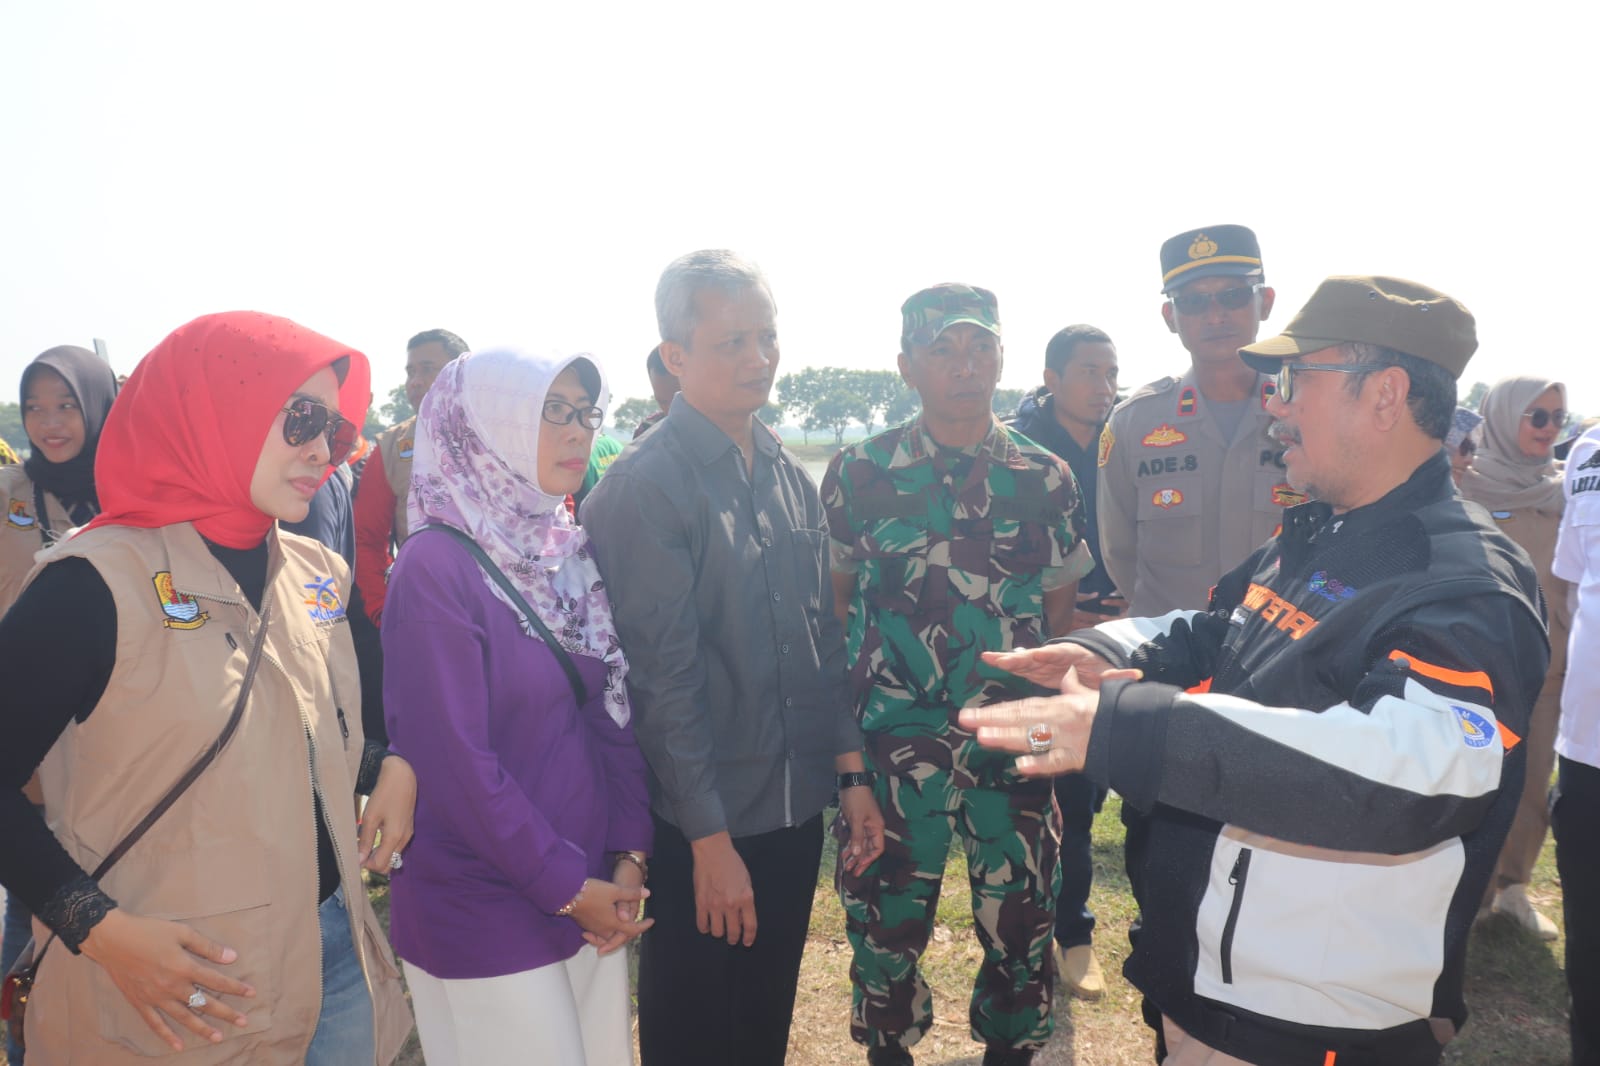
(1284, 434)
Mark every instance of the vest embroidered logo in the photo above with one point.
(18, 517)
(1475, 728)
(1286, 495)
(407, 446)
(1107, 439)
(182, 610)
(322, 600)
(1164, 436)
(1165, 498)
(1186, 402)
(1329, 588)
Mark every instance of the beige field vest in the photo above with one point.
(396, 444)
(236, 856)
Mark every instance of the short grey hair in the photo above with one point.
(1432, 395)
(711, 268)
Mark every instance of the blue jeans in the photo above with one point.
(17, 931)
(344, 1034)
(1079, 799)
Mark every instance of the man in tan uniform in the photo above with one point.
(1189, 482)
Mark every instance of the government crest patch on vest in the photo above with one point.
(17, 516)
(407, 446)
(322, 601)
(182, 610)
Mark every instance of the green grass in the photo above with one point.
(1515, 987)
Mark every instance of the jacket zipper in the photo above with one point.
(1241, 872)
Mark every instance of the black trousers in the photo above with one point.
(1576, 822)
(702, 1001)
(1079, 800)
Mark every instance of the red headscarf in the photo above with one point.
(182, 440)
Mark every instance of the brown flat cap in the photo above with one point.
(1390, 312)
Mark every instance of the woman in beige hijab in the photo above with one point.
(1517, 479)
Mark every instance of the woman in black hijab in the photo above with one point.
(66, 394)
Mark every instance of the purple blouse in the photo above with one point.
(521, 793)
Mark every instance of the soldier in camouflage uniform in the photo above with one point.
(952, 535)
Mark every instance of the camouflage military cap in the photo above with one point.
(1389, 312)
(1207, 253)
(933, 310)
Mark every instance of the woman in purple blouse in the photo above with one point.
(527, 869)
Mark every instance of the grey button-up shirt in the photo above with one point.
(719, 585)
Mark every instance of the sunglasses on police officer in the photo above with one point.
(1195, 303)
(305, 419)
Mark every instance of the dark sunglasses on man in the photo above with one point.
(1197, 303)
(305, 419)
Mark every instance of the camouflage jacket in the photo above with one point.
(950, 549)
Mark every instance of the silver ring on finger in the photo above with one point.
(197, 999)
(395, 861)
(1040, 737)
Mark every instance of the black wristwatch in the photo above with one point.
(856, 779)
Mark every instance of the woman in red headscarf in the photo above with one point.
(235, 928)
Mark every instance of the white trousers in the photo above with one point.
(572, 1013)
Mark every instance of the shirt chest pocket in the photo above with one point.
(1170, 515)
(1004, 556)
(895, 549)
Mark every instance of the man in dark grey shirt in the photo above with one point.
(712, 543)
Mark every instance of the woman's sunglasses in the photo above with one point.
(305, 419)
(1541, 418)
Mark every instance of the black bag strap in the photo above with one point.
(567, 665)
(189, 777)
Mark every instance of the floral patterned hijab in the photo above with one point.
(476, 468)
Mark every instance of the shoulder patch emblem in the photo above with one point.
(1186, 402)
(1107, 439)
(17, 515)
(1286, 495)
(1269, 389)
(1475, 728)
(1164, 436)
(182, 610)
(1165, 498)
(407, 446)
(322, 600)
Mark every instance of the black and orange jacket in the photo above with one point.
(1325, 815)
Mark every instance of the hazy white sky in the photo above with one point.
(522, 173)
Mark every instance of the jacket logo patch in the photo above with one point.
(407, 446)
(182, 610)
(1167, 497)
(1287, 495)
(1280, 612)
(322, 600)
(1591, 463)
(1329, 588)
(1186, 401)
(1107, 439)
(1475, 728)
(18, 517)
(1163, 436)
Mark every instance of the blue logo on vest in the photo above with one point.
(1476, 730)
(322, 602)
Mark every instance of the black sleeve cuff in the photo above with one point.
(1101, 645)
(1128, 742)
(372, 756)
(75, 909)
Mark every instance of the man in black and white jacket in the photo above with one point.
(1331, 753)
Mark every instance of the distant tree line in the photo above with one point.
(831, 399)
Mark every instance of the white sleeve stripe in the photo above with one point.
(1129, 633)
(1424, 743)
